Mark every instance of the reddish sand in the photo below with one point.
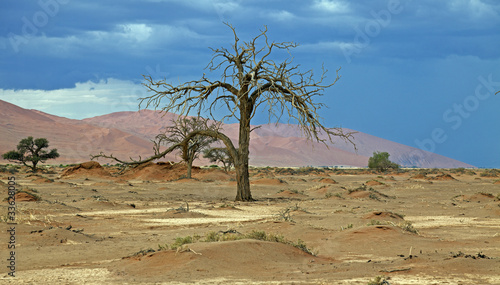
(96, 226)
(374, 183)
(267, 181)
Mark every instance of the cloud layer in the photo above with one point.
(404, 63)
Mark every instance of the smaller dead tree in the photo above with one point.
(175, 135)
(218, 154)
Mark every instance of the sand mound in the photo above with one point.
(86, 169)
(213, 175)
(186, 180)
(478, 197)
(264, 174)
(59, 236)
(374, 230)
(42, 180)
(25, 197)
(380, 215)
(419, 176)
(288, 194)
(328, 181)
(105, 184)
(268, 181)
(359, 194)
(321, 190)
(444, 177)
(377, 240)
(164, 171)
(373, 183)
(249, 257)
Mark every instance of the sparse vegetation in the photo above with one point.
(227, 206)
(379, 280)
(349, 226)
(232, 235)
(408, 227)
(285, 214)
(490, 173)
(9, 169)
(374, 223)
(295, 191)
(180, 241)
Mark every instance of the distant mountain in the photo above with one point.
(74, 139)
(284, 144)
(126, 134)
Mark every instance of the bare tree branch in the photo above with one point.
(249, 79)
(133, 162)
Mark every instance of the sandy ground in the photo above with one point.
(418, 227)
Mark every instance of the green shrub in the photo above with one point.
(380, 161)
(180, 241)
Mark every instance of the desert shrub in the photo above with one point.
(380, 161)
(339, 171)
(470, 172)
(8, 169)
(490, 173)
(349, 226)
(434, 171)
(408, 227)
(379, 280)
(459, 170)
(302, 246)
(285, 171)
(180, 241)
(258, 235)
(310, 170)
(374, 223)
(285, 215)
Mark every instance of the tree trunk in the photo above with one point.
(189, 166)
(243, 182)
(242, 175)
(34, 168)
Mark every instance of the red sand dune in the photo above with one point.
(126, 134)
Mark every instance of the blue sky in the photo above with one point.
(422, 73)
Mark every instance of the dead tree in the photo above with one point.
(175, 135)
(249, 79)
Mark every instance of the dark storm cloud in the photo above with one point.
(415, 59)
